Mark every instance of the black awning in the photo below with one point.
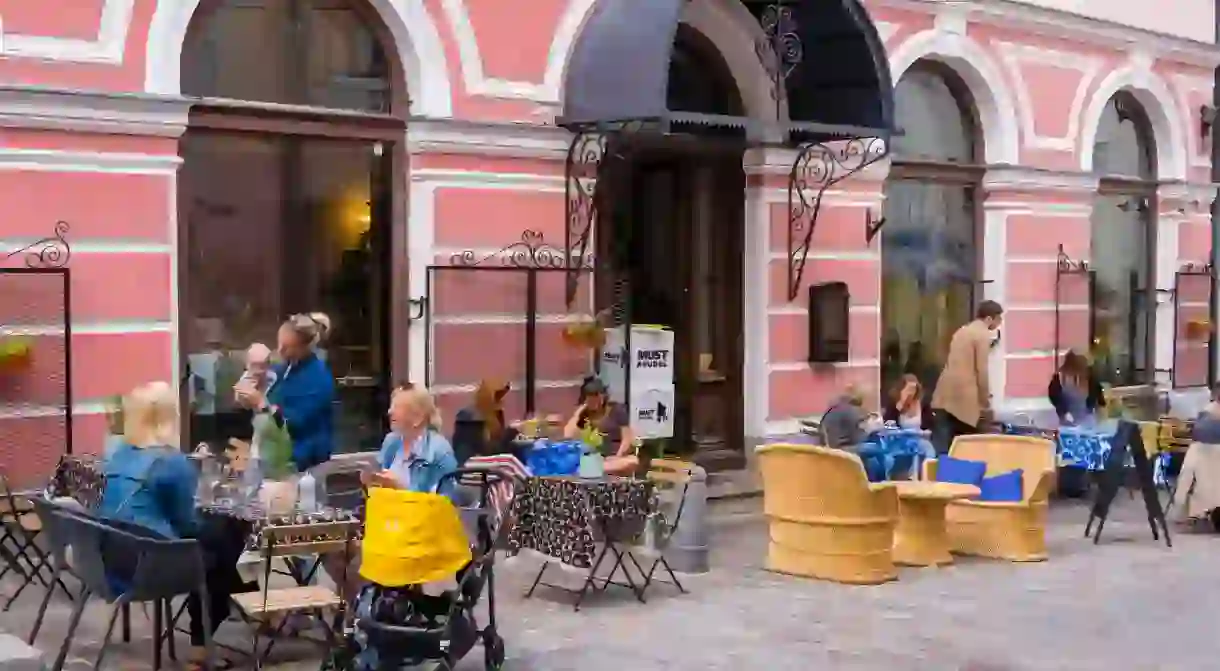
(619, 70)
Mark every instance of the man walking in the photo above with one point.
(962, 401)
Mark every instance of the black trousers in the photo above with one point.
(223, 539)
(946, 428)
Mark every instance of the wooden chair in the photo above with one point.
(266, 606)
(826, 520)
(1016, 530)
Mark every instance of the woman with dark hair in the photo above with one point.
(481, 429)
(904, 407)
(1074, 391)
(611, 420)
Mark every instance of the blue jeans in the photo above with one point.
(877, 462)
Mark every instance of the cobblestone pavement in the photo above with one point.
(1129, 604)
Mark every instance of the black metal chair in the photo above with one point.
(676, 476)
(123, 567)
(21, 526)
(56, 561)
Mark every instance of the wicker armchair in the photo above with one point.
(826, 520)
(1016, 530)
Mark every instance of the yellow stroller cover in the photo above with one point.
(411, 538)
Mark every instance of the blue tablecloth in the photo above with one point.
(1087, 447)
(888, 450)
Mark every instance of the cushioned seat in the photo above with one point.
(1012, 530)
(826, 521)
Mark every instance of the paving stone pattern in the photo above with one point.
(1129, 604)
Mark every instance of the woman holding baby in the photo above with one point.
(297, 392)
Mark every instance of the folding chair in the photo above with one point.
(21, 526)
(260, 608)
(673, 475)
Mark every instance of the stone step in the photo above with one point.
(17, 655)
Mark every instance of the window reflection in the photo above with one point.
(929, 254)
(1122, 244)
(277, 225)
(928, 275)
(303, 52)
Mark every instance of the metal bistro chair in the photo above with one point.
(57, 542)
(21, 527)
(675, 476)
(123, 568)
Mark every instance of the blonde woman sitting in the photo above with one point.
(150, 485)
(414, 456)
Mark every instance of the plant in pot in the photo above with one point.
(592, 463)
(16, 354)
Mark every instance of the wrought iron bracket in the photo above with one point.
(872, 227)
(50, 252)
(1065, 264)
(531, 251)
(779, 48)
(817, 167)
(417, 308)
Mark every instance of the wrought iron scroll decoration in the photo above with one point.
(779, 49)
(50, 252)
(1065, 264)
(817, 167)
(531, 251)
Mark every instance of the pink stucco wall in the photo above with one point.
(475, 182)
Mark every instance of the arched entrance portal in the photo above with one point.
(286, 198)
(679, 207)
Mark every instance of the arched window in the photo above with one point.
(1122, 245)
(929, 245)
(286, 198)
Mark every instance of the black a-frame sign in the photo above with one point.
(1127, 445)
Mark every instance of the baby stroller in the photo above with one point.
(399, 626)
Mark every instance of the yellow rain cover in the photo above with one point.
(411, 538)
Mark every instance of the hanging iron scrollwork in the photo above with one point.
(1193, 268)
(1066, 264)
(50, 252)
(531, 251)
(817, 167)
(779, 49)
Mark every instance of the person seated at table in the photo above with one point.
(150, 484)
(905, 409)
(303, 393)
(611, 420)
(414, 456)
(480, 429)
(1206, 428)
(1075, 392)
(846, 426)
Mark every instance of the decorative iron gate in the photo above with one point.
(1194, 334)
(503, 317)
(35, 358)
(1075, 287)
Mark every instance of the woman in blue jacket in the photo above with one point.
(150, 485)
(302, 392)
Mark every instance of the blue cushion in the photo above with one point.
(1002, 487)
(960, 471)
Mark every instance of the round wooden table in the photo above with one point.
(920, 539)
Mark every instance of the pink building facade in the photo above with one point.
(157, 131)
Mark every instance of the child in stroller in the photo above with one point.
(400, 626)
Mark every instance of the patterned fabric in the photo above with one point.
(501, 494)
(79, 477)
(564, 518)
(1083, 449)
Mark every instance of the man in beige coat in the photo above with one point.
(962, 401)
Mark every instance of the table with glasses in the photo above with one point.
(566, 518)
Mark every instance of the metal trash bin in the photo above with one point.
(687, 551)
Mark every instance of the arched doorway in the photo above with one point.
(286, 200)
(1123, 244)
(679, 208)
(930, 257)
